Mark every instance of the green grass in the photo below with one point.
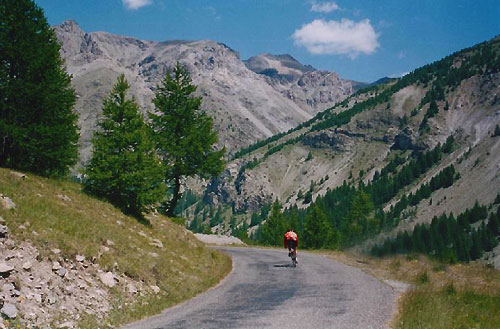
(443, 296)
(447, 308)
(183, 268)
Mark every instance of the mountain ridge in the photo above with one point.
(246, 106)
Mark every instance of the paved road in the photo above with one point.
(264, 291)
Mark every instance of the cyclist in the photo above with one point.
(291, 241)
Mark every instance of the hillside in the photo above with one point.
(246, 106)
(69, 260)
(352, 141)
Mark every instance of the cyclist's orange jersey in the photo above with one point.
(290, 235)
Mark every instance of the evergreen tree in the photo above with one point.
(38, 129)
(360, 218)
(275, 226)
(185, 135)
(316, 229)
(124, 167)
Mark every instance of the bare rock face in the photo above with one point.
(311, 89)
(247, 106)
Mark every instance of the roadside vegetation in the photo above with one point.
(60, 216)
(444, 296)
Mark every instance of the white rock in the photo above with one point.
(153, 254)
(56, 266)
(110, 242)
(62, 272)
(8, 287)
(4, 230)
(37, 298)
(80, 258)
(141, 233)
(27, 266)
(9, 310)
(131, 288)
(156, 243)
(56, 251)
(6, 202)
(5, 269)
(18, 174)
(155, 289)
(108, 279)
(67, 324)
(64, 197)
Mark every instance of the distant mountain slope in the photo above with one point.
(306, 86)
(246, 106)
(458, 96)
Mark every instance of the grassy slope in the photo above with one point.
(183, 268)
(442, 296)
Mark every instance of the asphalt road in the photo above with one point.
(264, 291)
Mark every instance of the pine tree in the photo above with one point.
(185, 135)
(275, 226)
(316, 229)
(38, 130)
(360, 217)
(124, 167)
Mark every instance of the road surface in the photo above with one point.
(264, 291)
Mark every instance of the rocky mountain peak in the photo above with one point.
(70, 26)
(246, 106)
(282, 66)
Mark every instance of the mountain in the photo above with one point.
(306, 86)
(246, 106)
(389, 125)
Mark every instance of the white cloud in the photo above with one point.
(324, 7)
(343, 37)
(136, 4)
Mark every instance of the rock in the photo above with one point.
(37, 298)
(62, 272)
(56, 266)
(64, 197)
(4, 230)
(141, 233)
(9, 310)
(155, 289)
(56, 251)
(18, 174)
(108, 279)
(80, 258)
(67, 324)
(8, 287)
(131, 288)
(6, 202)
(104, 249)
(156, 243)
(5, 270)
(110, 243)
(27, 266)
(154, 255)
(51, 300)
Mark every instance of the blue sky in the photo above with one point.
(360, 39)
